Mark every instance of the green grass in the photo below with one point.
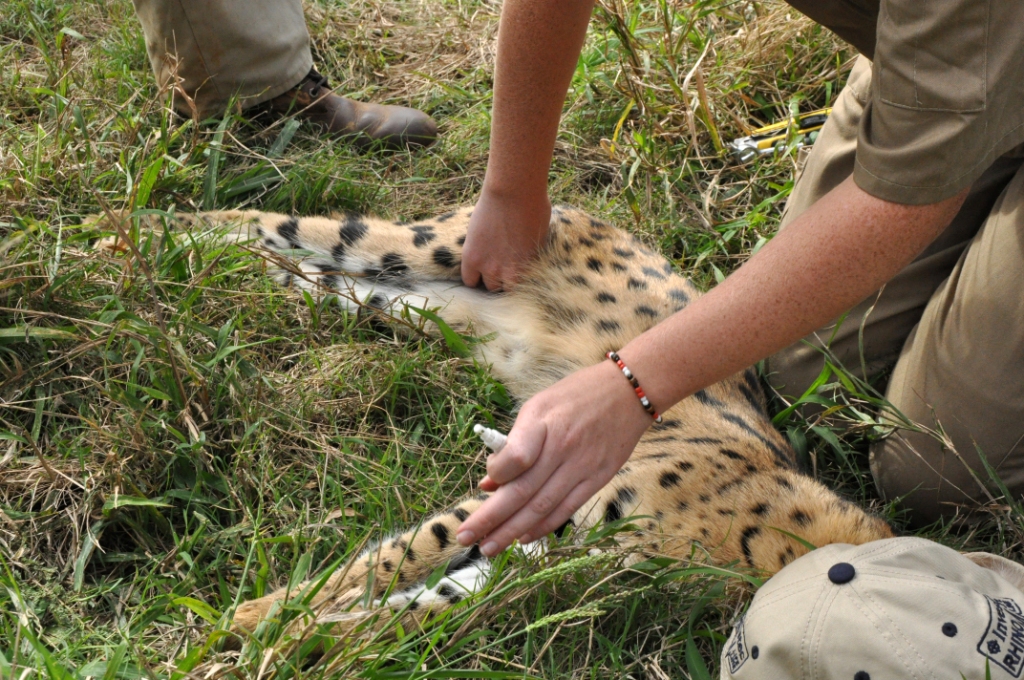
(177, 435)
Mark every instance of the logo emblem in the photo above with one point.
(736, 652)
(1003, 642)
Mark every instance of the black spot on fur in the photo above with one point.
(584, 241)
(668, 480)
(729, 453)
(329, 281)
(461, 240)
(613, 512)
(751, 398)
(780, 457)
(288, 280)
(376, 301)
(448, 593)
(578, 280)
(667, 268)
(424, 235)
(440, 532)
(729, 485)
(352, 229)
(669, 438)
(563, 317)
(564, 220)
(393, 266)
(684, 465)
(474, 554)
(761, 509)
(605, 297)
(702, 440)
(751, 468)
(607, 326)
(460, 514)
(597, 224)
(289, 231)
(745, 538)
(598, 236)
(704, 498)
(678, 295)
(443, 257)
(447, 216)
(666, 424)
(644, 310)
(654, 456)
(750, 377)
(682, 506)
(636, 284)
(705, 533)
(594, 264)
(626, 494)
(387, 566)
(726, 512)
(413, 606)
(784, 483)
(623, 252)
(703, 397)
(653, 273)
(619, 267)
(801, 518)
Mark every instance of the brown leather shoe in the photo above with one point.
(391, 126)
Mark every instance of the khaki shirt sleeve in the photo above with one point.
(947, 97)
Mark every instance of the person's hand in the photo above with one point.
(504, 235)
(567, 443)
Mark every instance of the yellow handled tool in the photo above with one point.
(765, 140)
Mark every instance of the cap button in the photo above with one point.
(841, 572)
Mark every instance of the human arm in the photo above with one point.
(570, 439)
(538, 46)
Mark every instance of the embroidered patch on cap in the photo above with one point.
(736, 653)
(1003, 642)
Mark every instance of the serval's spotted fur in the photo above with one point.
(714, 472)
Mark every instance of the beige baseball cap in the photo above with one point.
(897, 608)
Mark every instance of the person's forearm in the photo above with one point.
(538, 47)
(836, 254)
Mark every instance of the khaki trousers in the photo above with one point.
(250, 49)
(951, 324)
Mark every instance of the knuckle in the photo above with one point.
(521, 494)
(542, 505)
(519, 459)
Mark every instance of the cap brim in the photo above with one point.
(1008, 569)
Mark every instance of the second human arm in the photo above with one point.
(538, 46)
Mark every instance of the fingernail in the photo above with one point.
(489, 549)
(466, 538)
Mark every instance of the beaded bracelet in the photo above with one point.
(644, 401)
